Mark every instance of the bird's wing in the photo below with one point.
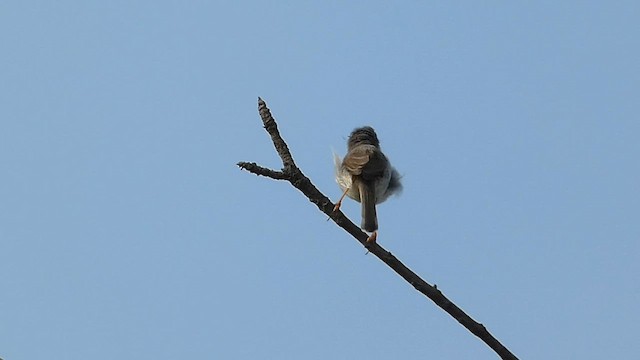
(366, 161)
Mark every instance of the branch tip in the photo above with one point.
(262, 171)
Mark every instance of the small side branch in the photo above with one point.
(272, 128)
(259, 170)
(294, 175)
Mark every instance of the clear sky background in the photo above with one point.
(128, 232)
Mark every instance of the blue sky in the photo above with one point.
(127, 231)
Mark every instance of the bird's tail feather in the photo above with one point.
(368, 200)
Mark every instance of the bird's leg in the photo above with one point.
(339, 203)
(337, 206)
(372, 238)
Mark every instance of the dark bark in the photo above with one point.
(294, 175)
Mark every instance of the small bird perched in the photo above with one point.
(366, 176)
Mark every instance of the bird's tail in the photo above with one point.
(368, 200)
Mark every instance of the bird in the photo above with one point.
(366, 176)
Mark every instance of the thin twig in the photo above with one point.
(272, 128)
(294, 175)
(259, 170)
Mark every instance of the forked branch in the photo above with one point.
(294, 175)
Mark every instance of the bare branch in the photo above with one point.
(295, 176)
(272, 128)
(259, 170)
